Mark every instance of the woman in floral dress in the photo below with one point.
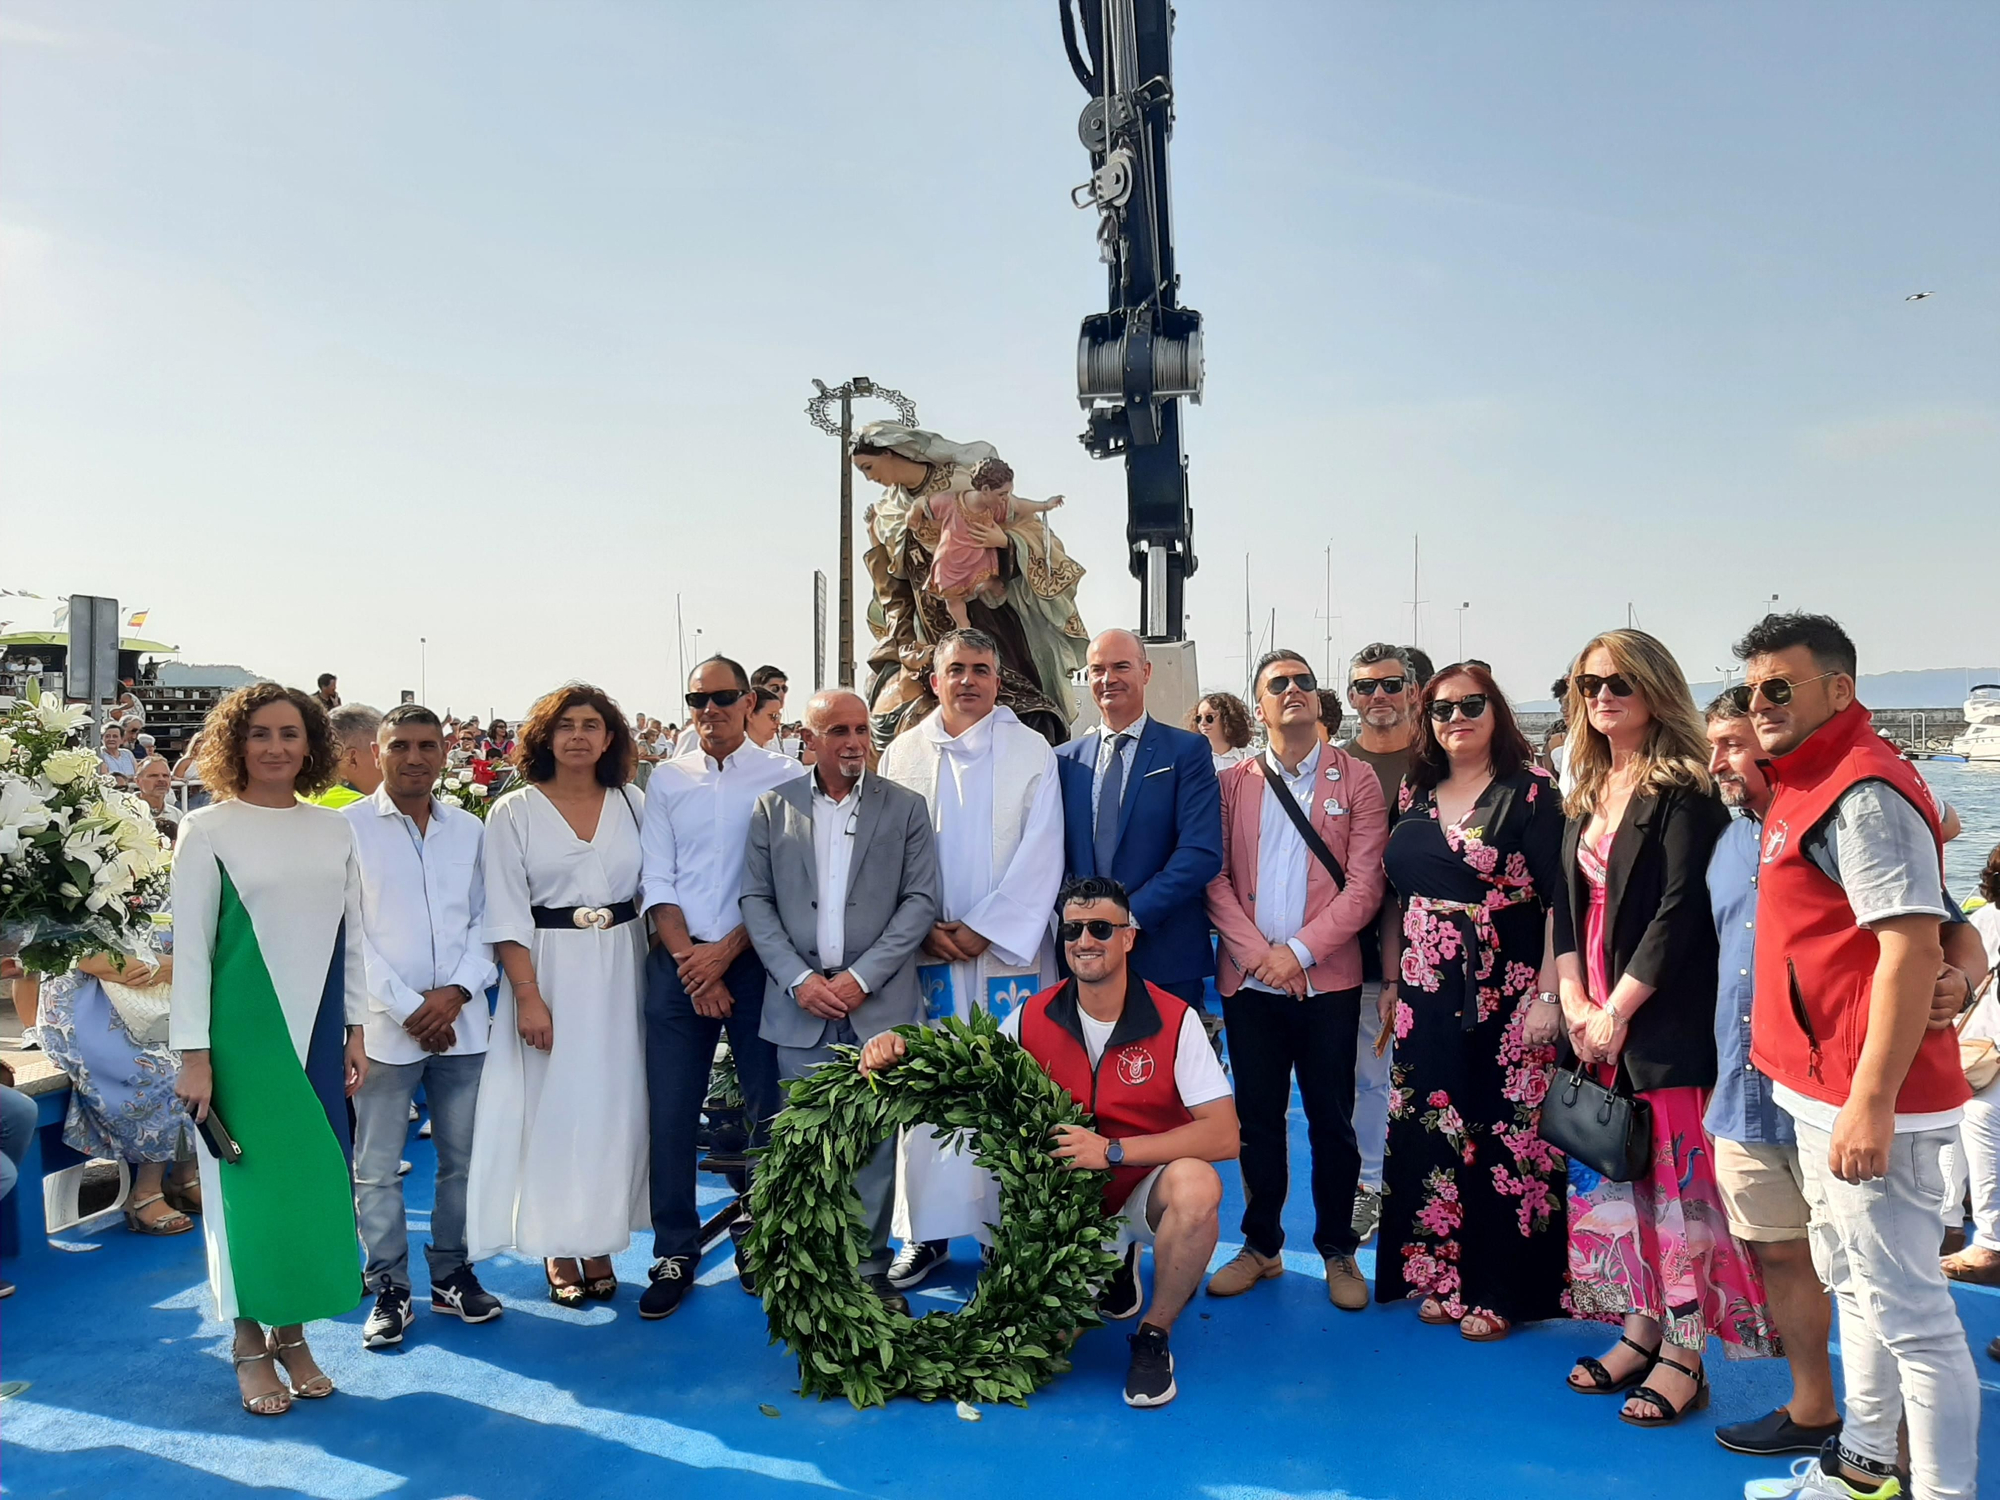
(1472, 1220)
(1638, 959)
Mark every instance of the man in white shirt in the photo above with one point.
(423, 894)
(839, 889)
(996, 802)
(1303, 829)
(703, 975)
(1139, 1060)
(118, 762)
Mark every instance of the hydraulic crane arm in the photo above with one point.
(1135, 361)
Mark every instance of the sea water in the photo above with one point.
(1973, 789)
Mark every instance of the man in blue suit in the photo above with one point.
(1141, 806)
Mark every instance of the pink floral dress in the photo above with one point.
(1661, 1246)
(1473, 1211)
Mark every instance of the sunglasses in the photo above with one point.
(1097, 928)
(1472, 705)
(1367, 687)
(1208, 718)
(1587, 685)
(721, 698)
(1277, 687)
(1777, 691)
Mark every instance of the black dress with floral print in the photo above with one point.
(1474, 1207)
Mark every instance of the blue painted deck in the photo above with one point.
(1281, 1395)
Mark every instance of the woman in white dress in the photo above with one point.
(268, 1001)
(559, 1142)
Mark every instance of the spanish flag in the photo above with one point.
(137, 621)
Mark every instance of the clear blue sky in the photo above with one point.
(324, 327)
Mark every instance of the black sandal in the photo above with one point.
(563, 1294)
(598, 1288)
(1646, 1393)
(1601, 1382)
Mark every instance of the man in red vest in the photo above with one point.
(1139, 1061)
(1850, 892)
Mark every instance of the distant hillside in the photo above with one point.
(204, 674)
(1933, 687)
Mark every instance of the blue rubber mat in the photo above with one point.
(1282, 1395)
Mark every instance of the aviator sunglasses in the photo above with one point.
(1305, 682)
(1587, 685)
(721, 698)
(1367, 687)
(1472, 705)
(1777, 691)
(1097, 926)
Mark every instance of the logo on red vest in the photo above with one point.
(1774, 841)
(1135, 1066)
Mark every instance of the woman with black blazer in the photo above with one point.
(1636, 949)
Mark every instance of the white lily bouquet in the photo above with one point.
(82, 867)
(459, 789)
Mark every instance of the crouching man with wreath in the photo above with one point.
(1138, 1060)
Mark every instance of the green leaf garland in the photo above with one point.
(807, 1236)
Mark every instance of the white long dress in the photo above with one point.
(559, 1142)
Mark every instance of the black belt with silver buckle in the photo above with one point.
(600, 917)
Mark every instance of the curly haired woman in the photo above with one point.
(268, 1001)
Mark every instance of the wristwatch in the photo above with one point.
(1549, 997)
(464, 994)
(1114, 1153)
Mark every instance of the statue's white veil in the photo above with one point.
(924, 447)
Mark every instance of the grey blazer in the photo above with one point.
(891, 896)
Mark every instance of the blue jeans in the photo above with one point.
(17, 1131)
(382, 1128)
(680, 1050)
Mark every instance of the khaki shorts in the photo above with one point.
(1762, 1191)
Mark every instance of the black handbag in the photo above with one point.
(1607, 1129)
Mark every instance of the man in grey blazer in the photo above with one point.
(840, 886)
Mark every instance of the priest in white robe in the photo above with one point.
(996, 805)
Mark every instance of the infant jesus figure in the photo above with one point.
(972, 528)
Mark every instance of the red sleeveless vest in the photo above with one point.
(1815, 965)
(1131, 1091)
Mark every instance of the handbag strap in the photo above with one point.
(1301, 822)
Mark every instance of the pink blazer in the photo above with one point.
(1357, 835)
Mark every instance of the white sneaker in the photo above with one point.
(1810, 1477)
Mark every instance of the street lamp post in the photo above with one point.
(424, 670)
(822, 418)
(1461, 628)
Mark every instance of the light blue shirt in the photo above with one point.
(1282, 859)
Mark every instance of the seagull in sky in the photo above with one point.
(1919, 296)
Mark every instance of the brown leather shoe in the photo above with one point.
(1345, 1286)
(1976, 1265)
(1244, 1272)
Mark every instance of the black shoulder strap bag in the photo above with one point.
(1609, 1130)
(1301, 822)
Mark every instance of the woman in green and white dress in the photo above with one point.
(269, 997)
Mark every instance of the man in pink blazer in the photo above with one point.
(1290, 968)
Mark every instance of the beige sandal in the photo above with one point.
(172, 1223)
(255, 1405)
(315, 1389)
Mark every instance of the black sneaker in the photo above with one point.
(892, 1299)
(1775, 1433)
(1150, 1380)
(461, 1296)
(1122, 1297)
(916, 1260)
(745, 1277)
(389, 1321)
(667, 1286)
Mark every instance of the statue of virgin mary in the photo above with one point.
(924, 478)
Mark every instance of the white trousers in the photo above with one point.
(1902, 1346)
(1974, 1157)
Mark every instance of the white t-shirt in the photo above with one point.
(1198, 1073)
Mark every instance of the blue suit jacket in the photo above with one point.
(1169, 843)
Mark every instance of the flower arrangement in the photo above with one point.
(460, 790)
(81, 865)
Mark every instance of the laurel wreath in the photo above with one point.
(807, 1236)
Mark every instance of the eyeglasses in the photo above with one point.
(1587, 685)
(1097, 927)
(1367, 687)
(721, 698)
(1305, 682)
(1208, 718)
(1777, 691)
(1472, 705)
